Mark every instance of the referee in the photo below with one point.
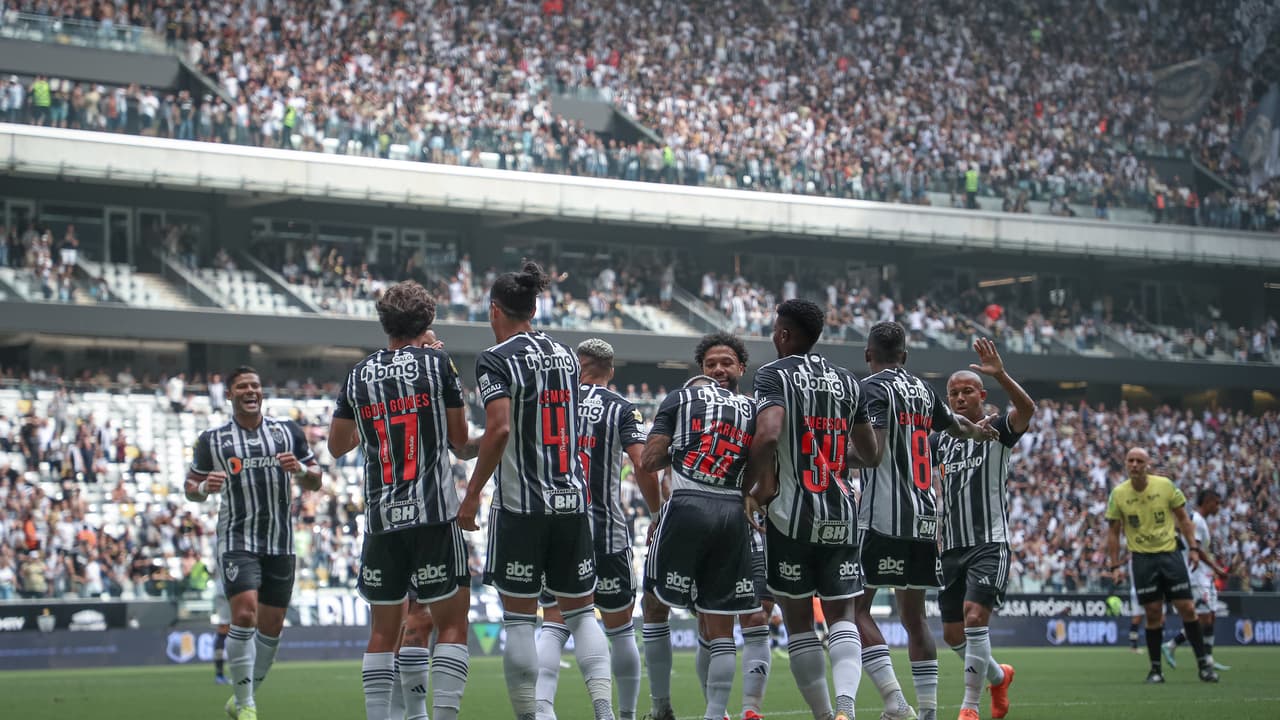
(1145, 508)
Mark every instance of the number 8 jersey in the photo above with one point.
(540, 473)
(897, 497)
(820, 403)
(398, 400)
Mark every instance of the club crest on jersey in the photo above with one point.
(401, 367)
(231, 572)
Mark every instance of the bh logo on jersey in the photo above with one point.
(678, 582)
(789, 571)
(585, 568)
(891, 566)
(519, 571)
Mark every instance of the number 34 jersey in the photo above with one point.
(820, 403)
(540, 472)
(398, 400)
(897, 496)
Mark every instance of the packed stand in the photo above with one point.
(882, 102)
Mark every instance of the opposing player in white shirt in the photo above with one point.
(1203, 569)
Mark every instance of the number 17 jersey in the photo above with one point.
(398, 400)
(820, 404)
(897, 496)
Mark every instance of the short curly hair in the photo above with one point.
(805, 317)
(406, 310)
(729, 340)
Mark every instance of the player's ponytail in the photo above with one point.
(516, 293)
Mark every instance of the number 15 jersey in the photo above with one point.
(897, 496)
(398, 399)
(820, 404)
(540, 473)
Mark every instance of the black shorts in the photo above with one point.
(900, 562)
(615, 583)
(1160, 576)
(978, 574)
(700, 558)
(431, 560)
(527, 552)
(270, 575)
(799, 569)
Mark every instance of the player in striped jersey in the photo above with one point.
(402, 406)
(808, 414)
(608, 429)
(897, 514)
(700, 555)
(1202, 570)
(722, 357)
(539, 530)
(975, 525)
(249, 462)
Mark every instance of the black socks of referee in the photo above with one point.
(1155, 636)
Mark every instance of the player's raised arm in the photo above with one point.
(992, 365)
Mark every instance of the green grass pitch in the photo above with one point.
(1094, 684)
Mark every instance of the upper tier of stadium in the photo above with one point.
(1055, 105)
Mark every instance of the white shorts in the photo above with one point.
(221, 606)
(1206, 597)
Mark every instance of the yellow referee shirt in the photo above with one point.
(1149, 525)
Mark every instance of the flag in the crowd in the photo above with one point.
(1182, 91)
(1259, 145)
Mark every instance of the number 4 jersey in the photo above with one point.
(897, 496)
(820, 404)
(398, 400)
(539, 473)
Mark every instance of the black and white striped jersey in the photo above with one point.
(975, 487)
(711, 430)
(540, 472)
(254, 513)
(398, 400)
(897, 497)
(820, 404)
(607, 426)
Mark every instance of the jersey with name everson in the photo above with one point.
(398, 400)
(711, 430)
(539, 473)
(820, 403)
(254, 513)
(975, 487)
(897, 496)
(607, 426)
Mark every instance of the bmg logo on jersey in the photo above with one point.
(401, 367)
(591, 408)
(891, 566)
(519, 571)
(790, 571)
(681, 583)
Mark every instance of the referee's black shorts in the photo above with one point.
(1160, 576)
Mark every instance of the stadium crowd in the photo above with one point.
(887, 101)
(87, 509)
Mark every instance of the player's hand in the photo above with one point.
(467, 512)
(214, 482)
(753, 510)
(289, 463)
(989, 359)
(987, 431)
